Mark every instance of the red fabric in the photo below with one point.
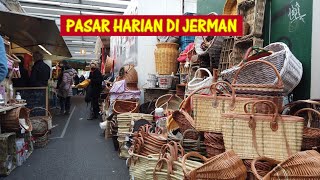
(183, 56)
(27, 63)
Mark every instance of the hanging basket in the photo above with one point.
(230, 7)
(109, 65)
(11, 122)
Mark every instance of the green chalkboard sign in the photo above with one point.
(290, 21)
(208, 6)
(36, 97)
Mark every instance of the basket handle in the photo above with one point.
(270, 106)
(190, 131)
(183, 162)
(279, 83)
(260, 53)
(159, 165)
(274, 123)
(292, 104)
(224, 85)
(253, 165)
(202, 69)
(187, 101)
(309, 110)
(41, 109)
(178, 148)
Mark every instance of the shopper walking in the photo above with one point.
(65, 82)
(94, 90)
(40, 73)
(3, 61)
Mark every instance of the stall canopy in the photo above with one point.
(34, 34)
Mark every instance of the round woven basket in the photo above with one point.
(230, 7)
(166, 56)
(168, 102)
(128, 73)
(11, 119)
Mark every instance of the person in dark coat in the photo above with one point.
(24, 80)
(40, 73)
(82, 78)
(95, 89)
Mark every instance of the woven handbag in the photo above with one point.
(226, 166)
(124, 106)
(198, 81)
(301, 166)
(207, 109)
(255, 80)
(252, 135)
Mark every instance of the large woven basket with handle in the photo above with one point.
(252, 135)
(10, 121)
(207, 109)
(301, 166)
(255, 79)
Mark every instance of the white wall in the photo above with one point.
(315, 53)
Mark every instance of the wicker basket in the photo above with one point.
(129, 74)
(7, 149)
(41, 141)
(253, 13)
(47, 118)
(241, 47)
(198, 82)
(289, 67)
(124, 106)
(230, 7)
(166, 56)
(191, 145)
(10, 122)
(255, 79)
(225, 58)
(139, 164)
(207, 109)
(301, 166)
(311, 136)
(272, 135)
(185, 122)
(168, 102)
(226, 166)
(262, 167)
(214, 144)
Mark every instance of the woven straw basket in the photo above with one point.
(128, 73)
(198, 81)
(253, 13)
(230, 7)
(109, 65)
(272, 135)
(11, 123)
(301, 166)
(138, 165)
(207, 109)
(166, 56)
(168, 102)
(123, 106)
(289, 67)
(255, 79)
(225, 166)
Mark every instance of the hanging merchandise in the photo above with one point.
(272, 135)
(166, 55)
(130, 75)
(231, 7)
(186, 55)
(108, 65)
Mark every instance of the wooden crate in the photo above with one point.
(7, 152)
(225, 61)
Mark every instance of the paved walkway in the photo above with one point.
(77, 151)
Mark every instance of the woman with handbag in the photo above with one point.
(65, 82)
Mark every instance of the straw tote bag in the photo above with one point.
(252, 135)
(207, 109)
